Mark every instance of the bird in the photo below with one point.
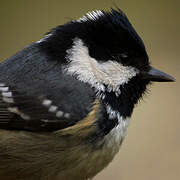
(67, 99)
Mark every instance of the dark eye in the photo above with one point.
(123, 55)
(123, 58)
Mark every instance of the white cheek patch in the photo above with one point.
(88, 69)
(116, 74)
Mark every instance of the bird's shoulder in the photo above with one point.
(35, 94)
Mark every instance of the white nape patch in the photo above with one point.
(44, 38)
(88, 69)
(46, 102)
(53, 108)
(117, 134)
(16, 111)
(94, 15)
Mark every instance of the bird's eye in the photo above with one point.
(123, 55)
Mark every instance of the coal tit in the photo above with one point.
(66, 100)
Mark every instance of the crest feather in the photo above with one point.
(93, 15)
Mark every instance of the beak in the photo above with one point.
(158, 76)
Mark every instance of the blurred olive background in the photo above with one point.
(152, 147)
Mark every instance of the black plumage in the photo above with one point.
(66, 100)
(36, 73)
(107, 37)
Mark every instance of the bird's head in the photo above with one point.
(103, 49)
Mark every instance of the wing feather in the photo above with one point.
(36, 94)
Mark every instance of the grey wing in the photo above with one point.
(36, 95)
